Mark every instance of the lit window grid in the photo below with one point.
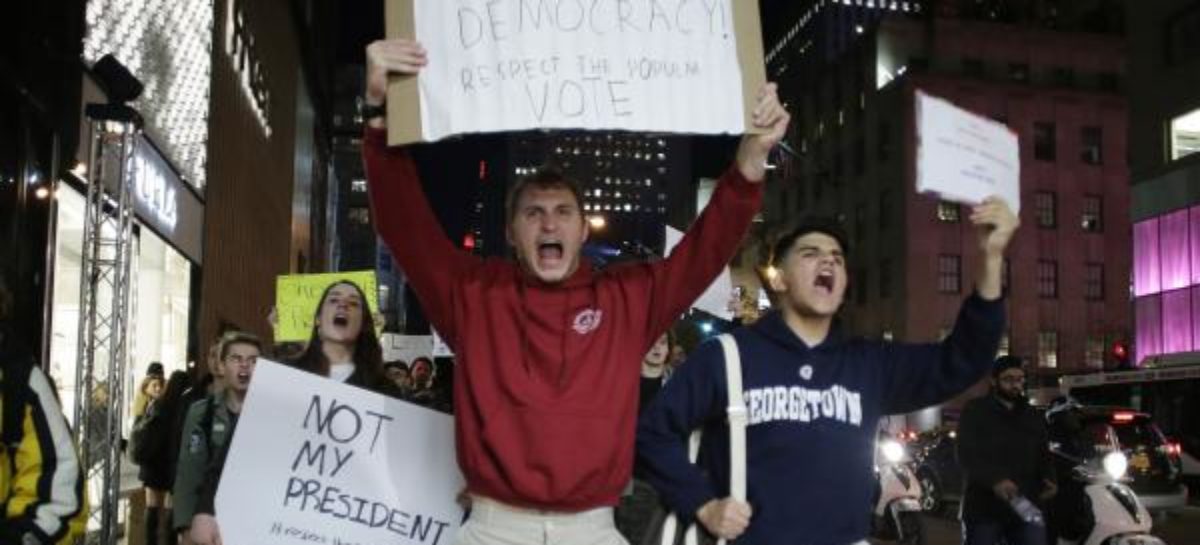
(167, 44)
(1048, 349)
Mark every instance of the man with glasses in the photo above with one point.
(1003, 447)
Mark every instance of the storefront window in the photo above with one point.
(1185, 134)
(160, 303)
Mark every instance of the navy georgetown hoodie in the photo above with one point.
(813, 413)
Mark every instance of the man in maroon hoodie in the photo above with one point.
(549, 349)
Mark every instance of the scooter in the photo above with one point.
(1096, 508)
(897, 513)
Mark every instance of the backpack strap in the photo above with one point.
(738, 418)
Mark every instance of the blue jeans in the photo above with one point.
(1013, 532)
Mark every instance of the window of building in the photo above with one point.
(1108, 81)
(358, 186)
(949, 274)
(1048, 349)
(1044, 141)
(1093, 281)
(972, 67)
(1047, 278)
(1093, 352)
(948, 212)
(1182, 29)
(1185, 134)
(359, 215)
(1064, 76)
(1091, 149)
(1004, 348)
(1045, 205)
(885, 206)
(1093, 212)
(885, 279)
(1018, 72)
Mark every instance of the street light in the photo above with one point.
(597, 222)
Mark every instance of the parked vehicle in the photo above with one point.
(897, 513)
(936, 466)
(1095, 504)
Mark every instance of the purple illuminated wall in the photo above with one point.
(1166, 283)
(1146, 274)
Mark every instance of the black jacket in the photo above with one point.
(997, 443)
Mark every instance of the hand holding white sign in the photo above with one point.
(505, 65)
(964, 157)
(315, 460)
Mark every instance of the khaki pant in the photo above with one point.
(494, 523)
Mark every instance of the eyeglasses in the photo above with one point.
(1011, 380)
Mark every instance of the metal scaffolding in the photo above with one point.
(105, 311)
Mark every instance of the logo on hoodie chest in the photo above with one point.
(587, 321)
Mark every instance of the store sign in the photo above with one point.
(239, 45)
(165, 203)
(155, 194)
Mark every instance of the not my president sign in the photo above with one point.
(688, 66)
(317, 461)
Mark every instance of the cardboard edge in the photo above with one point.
(403, 95)
(748, 30)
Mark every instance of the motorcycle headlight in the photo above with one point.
(892, 450)
(1115, 464)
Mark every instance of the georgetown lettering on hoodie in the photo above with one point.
(546, 383)
(813, 416)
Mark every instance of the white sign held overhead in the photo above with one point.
(964, 157)
(638, 65)
(406, 347)
(317, 461)
(717, 298)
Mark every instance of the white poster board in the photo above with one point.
(964, 157)
(638, 65)
(316, 461)
(406, 347)
(717, 298)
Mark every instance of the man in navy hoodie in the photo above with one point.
(814, 397)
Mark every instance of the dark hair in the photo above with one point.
(368, 354)
(427, 361)
(809, 224)
(546, 177)
(396, 363)
(177, 383)
(238, 337)
(155, 368)
(1004, 363)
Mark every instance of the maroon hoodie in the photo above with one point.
(546, 388)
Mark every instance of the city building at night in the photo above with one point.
(1056, 79)
(1164, 154)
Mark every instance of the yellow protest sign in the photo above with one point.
(298, 295)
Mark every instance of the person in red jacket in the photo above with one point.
(549, 349)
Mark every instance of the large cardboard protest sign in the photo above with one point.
(317, 461)
(964, 157)
(298, 295)
(687, 66)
